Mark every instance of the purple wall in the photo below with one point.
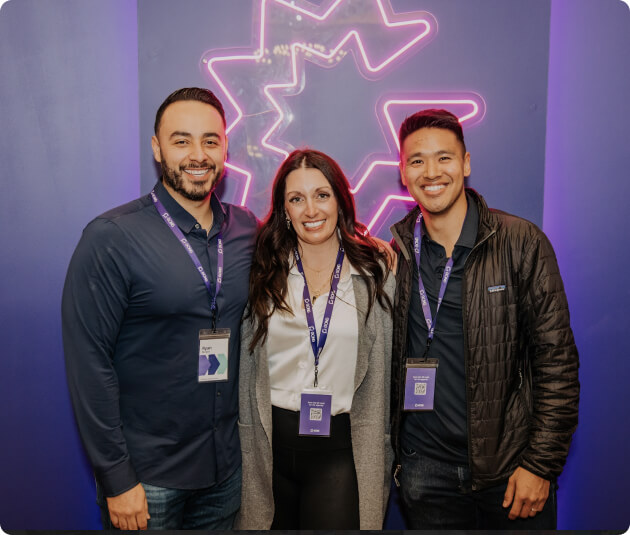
(585, 215)
(79, 84)
(69, 151)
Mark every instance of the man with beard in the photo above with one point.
(485, 391)
(151, 315)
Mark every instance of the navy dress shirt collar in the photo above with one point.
(184, 220)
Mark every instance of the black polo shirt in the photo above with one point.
(441, 433)
(133, 305)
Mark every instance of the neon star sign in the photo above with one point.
(255, 81)
(466, 109)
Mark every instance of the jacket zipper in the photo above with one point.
(401, 382)
(465, 329)
(407, 259)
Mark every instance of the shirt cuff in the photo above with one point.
(118, 479)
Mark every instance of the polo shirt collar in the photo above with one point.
(183, 219)
(468, 234)
(471, 225)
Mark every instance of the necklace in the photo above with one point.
(316, 285)
(318, 271)
(320, 290)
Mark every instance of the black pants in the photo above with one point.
(314, 480)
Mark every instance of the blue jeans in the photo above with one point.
(438, 495)
(210, 508)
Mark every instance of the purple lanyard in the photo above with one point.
(426, 309)
(178, 234)
(318, 345)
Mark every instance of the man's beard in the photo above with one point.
(176, 181)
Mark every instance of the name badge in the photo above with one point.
(315, 407)
(213, 355)
(420, 384)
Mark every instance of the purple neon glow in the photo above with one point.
(426, 103)
(369, 170)
(248, 179)
(386, 21)
(477, 107)
(294, 46)
(351, 34)
(300, 51)
(384, 204)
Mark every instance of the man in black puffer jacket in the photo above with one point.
(485, 394)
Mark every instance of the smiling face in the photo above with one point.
(310, 204)
(433, 167)
(191, 147)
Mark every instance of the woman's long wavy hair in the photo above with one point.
(275, 243)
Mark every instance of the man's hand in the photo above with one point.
(129, 510)
(526, 492)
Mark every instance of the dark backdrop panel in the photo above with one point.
(490, 50)
(172, 37)
(69, 151)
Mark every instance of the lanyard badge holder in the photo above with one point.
(315, 407)
(421, 373)
(213, 355)
(420, 384)
(316, 403)
(213, 343)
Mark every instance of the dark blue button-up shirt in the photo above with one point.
(442, 433)
(133, 305)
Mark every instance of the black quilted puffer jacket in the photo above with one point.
(521, 359)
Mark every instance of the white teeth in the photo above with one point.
(434, 188)
(313, 224)
(196, 172)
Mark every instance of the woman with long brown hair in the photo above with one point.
(315, 360)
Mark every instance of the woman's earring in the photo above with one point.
(288, 223)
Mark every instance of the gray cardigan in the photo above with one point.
(369, 419)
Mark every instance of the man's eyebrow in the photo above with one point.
(436, 153)
(179, 133)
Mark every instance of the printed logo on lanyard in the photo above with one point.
(426, 309)
(421, 373)
(212, 364)
(195, 259)
(318, 345)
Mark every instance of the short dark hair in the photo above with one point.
(189, 93)
(432, 118)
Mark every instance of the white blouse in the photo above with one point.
(290, 354)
